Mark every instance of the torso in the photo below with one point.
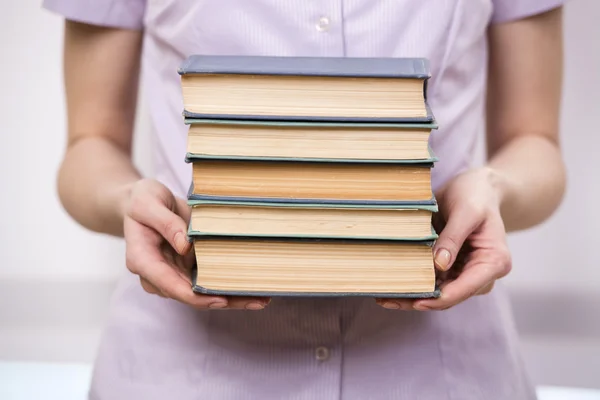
(309, 348)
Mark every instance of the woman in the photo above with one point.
(162, 341)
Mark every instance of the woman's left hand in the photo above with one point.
(471, 252)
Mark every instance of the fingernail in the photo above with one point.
(442, 259)
(181, 242)
(217, 304)
(254, 306)
(391, 305)
(420, 307)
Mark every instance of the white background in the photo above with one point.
(56, 278)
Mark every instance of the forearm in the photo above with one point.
(93, 184)
(101, 69)
(529, 174)
(523, 109)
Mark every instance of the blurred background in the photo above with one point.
(56, 278)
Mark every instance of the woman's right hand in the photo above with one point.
(157, 249)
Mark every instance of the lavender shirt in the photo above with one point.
(315, 349)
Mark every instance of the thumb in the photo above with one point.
(154, 210)
(461, 223)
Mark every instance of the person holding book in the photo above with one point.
(496, 67)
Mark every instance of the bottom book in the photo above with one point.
(253, 266)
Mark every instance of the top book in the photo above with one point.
(306, 88)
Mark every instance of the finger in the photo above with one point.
(461, 223)
(247, 303)
(183, 209)
(486, 289)
(184, 264)
(157, 215)
(165, 281)
(171, 283)
(150, 288)
(474, 278)
(164, 277)
(189, 260)
(438, 221)
(144, 258)
(396, 304)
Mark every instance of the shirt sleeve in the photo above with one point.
(510, 10)
(126, 14)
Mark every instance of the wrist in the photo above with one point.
(122, 196)
(113, 203)
(496, 181)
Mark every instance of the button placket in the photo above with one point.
(325, 27)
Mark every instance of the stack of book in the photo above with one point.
(311, 176)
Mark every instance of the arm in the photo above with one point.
(525, 79)
(524, 179)
(98, 184)
(101, 68)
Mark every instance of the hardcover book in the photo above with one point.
(306, 88)
(313, 267)
(304, 140)
(229, 218)
(312, 182)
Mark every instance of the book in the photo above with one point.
(304, 140)
(312, 182)
(311, 176)
(306, 88)
(318, 267)
(409, 223)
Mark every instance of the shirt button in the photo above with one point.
(323, 24)
(322, 353)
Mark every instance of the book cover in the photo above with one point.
(433, 208)
(392, 295)
(334, 202)
(350, 67)
(379, 67)
(392, 206)
(191, 157)
(198, 288)
(315, 124)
